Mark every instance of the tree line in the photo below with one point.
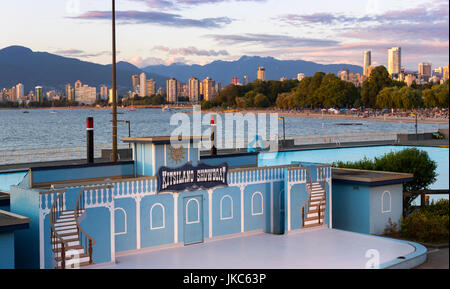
(327, 91)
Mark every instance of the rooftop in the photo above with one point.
(161, 139)
(10, 221)
(370, 177)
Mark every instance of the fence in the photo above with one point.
(49, 154)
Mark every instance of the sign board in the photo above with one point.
(188, 177)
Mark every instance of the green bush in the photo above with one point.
(429, 224)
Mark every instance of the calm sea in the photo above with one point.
(42, 128)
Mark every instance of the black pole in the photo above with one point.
(90, 139)
(284, 130)
(114, 85)
(213, 136)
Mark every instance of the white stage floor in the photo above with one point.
(318, 248)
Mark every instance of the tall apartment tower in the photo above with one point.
(425, 69)
(151, 87)
(394, 60)
(194, 90)
(367, 61)
(261, 73)
(235, 81)
(208, 89)
(38, 94)
(142, 84)
(104, 93)
(172, 90)
(300, 76)
(135, 82)
(20, 91)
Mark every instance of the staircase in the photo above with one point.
(65, 227)
(313, 210)
(71, 246)
(316, 206)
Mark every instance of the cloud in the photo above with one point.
(81, 53)
(191, 51)
(144, 62)
(272, 40)
(151, 17)
(179, 4)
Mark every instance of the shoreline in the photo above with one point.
(309, 115)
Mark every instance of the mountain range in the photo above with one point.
(19, 64)
(224, 71)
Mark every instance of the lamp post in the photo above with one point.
(114, 85)
(284, 129)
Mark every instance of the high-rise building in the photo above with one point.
(104, 93)
(78, 84)
(344, 74)
(110, 95)
(142, 84)
(20, 91)
(367, 61)
(235, 81)
(135, 82)
(261, 73)
(86, 94)
(194, 90)
(38, 94)
(410, 79)
(70, 92)
(208, 89)
(300, 76)
(151, 87)
(12, 94)
(445, 75)
(217, 87)
(394, 60)
(172, 93)
(425, 69)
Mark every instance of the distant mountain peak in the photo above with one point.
(16, 49)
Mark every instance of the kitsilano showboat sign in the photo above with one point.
(188, 177)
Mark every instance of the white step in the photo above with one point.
(67, 231)
(73, 236)
(314, 215)
(65, 224)
(65, 218)
(70, 254)
(68, 213)
(75, 262)
(73, 243)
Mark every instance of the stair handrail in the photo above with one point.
(80, 206)
(308, 190)
(55, 212)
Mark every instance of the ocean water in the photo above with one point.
(41, 128)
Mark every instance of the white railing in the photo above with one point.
(312, 139)
(49, 154)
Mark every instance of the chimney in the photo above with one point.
(90, 139)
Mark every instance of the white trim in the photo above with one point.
(154, 159)
(210, 193)
(126, 225)
(188, 222)
(262, 204)
(242, 208)
(165, 155)
(163, 216)
(138, 222)
(221, 208)
(382, 202)
(271, 207)
(175, 217)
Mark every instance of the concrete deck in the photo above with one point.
(318, 248)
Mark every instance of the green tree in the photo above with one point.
(261, 100)
(379, 79)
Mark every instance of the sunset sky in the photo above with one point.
(200, 31)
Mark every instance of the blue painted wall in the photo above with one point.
(67, 174)
(7, 250)
(233, 160)
(226, 211)
(157, 220)
(10, 179)
(125, 224)
(351, 207)
(26, 203)
(393, 207)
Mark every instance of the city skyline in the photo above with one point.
(328, 35)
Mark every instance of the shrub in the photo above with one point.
(429, 224)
